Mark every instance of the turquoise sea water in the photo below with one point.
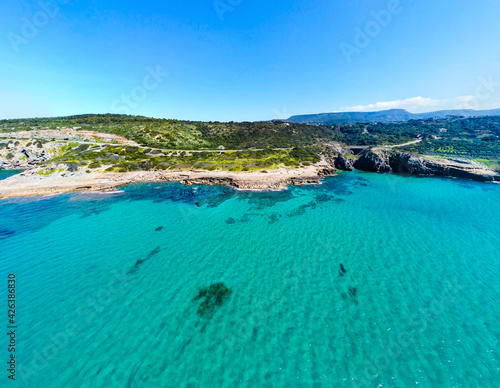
(106, 300)
(4, 174)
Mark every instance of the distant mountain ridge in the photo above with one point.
(385, 116)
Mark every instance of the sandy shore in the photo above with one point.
(31, 182)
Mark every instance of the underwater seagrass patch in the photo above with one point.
(211, 298)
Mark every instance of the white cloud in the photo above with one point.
(417, 105)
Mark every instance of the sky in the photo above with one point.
(242, 60)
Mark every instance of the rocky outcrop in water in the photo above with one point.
(374, 160)
(344, 163)
(371, 161)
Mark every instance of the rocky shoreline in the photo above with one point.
(40, 177)
(384, 161)
(34, 182)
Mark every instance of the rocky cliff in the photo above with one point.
(378, 160)
(25, 154)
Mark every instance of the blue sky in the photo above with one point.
(246, 60)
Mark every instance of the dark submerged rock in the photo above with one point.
(323, 198)
(6, 233)
(342, 270)
(273, 218)
(212, 297)
(139, 262)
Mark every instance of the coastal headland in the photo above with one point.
(104, 152)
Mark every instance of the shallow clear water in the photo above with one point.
(99, 304)
(4, 174)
